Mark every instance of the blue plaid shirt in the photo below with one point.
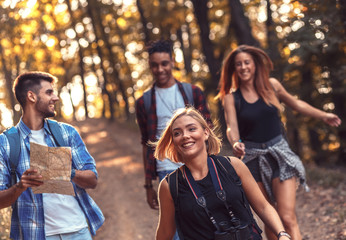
(27, 216)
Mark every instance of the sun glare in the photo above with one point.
(6, 116)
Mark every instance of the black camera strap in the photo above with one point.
(220, 193)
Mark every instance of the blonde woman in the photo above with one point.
(209, 196)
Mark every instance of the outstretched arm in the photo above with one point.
(30, 178)
(166, 226)
(232, 131)
(256, 199)
(303, 107)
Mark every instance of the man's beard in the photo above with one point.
(45, 109)
(50, 114)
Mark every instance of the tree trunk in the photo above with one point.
(144, 21)
(201, 14)
(339, 100)
(81, 64)
(273, 42)
(186, 53)
(105, 39)
(343, 14)
(101, 55)
(241, 25)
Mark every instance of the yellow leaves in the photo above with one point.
(62, 18)
(17, 49)
(121, 23)
(48, 8)
(51, 42)
(156, 3)
(109, 17)
(5, 43)
(94, 45)
(127, 14)
(30, 27)
(40, 55)
(50, 25)
(293, 59)
(286, 51)
(57, 70)
(56, 55)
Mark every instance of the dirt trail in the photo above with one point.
(120, 192)
(121, 196)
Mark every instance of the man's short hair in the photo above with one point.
(160, 46)
(30, 81)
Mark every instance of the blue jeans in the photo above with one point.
(83, 234)
(162, 175)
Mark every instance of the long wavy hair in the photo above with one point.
(229, 80)
(165, 147)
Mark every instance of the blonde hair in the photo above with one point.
(165, 147)
(229, 79)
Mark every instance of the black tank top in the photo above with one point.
(257, 122)
(194, 222)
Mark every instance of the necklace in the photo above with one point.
(170, 107)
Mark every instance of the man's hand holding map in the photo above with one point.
(54, 165)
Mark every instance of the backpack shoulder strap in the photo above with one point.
(173, 183)
(12, 135)
(225, 164)
(188, 91)
(56, 132)
(147, 100)
(172, 179)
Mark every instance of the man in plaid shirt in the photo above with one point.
(167, 94)
(46, 216)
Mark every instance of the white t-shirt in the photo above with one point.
(167, 101)
(62, 213)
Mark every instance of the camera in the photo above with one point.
(232, 230)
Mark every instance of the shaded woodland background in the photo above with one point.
(97, 50)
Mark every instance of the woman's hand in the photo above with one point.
(239, 149)
(331, 119)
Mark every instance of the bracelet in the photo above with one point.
(147, 186)
(283, 233)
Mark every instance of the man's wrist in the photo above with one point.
(19, 186)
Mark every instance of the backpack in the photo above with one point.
(187, 89)
(12, 135)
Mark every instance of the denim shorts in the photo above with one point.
(253, 166)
